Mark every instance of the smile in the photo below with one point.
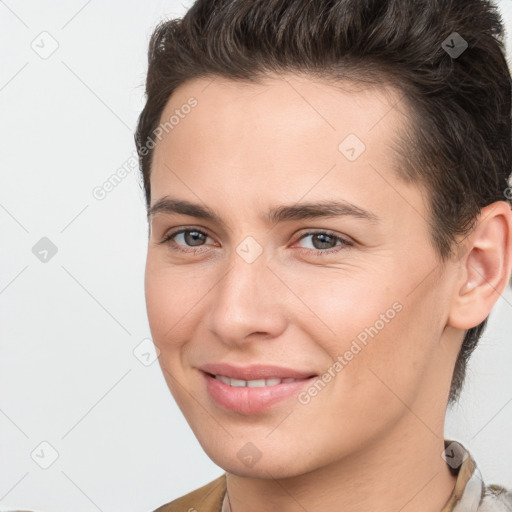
(257, 383)
(253, 396)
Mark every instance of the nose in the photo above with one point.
(248, 303)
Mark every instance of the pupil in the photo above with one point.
(193, 236)
(325, 243)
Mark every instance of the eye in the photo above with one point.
(322, 242)
(325, 242)
(185, 237)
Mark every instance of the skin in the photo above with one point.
(372, 438)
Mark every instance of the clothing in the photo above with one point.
(470, 494)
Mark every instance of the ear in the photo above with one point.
(485, 267)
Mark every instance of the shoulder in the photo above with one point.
(496, 499)
(207, 498)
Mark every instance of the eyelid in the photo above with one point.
(344, 242)
(324, 231)
(182, 229)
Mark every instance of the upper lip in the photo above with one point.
(254, 371)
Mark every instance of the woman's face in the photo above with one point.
(353, 296)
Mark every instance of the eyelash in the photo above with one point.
(318, 252)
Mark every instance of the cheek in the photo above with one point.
(378, 334)
(170, 299)
(395, 358)
(344, 306)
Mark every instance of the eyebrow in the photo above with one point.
(296, 211)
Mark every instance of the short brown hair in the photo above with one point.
(459, 146)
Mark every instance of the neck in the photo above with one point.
(403, 471)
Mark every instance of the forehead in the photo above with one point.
(280, 139)
(288, 104)
(277, 113)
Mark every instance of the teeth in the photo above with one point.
(223, 379)
(255, 383)
(259, 383)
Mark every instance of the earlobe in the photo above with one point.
(486, 267)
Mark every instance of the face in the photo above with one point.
(284, 246)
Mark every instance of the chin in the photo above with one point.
(274, 465)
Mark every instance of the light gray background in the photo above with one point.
(68, 374)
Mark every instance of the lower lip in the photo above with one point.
(248, 400)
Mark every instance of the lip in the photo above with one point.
(254, 371)
(247, 400)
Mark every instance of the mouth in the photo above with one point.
(256, 383)
(233, 389)
(254, 372)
